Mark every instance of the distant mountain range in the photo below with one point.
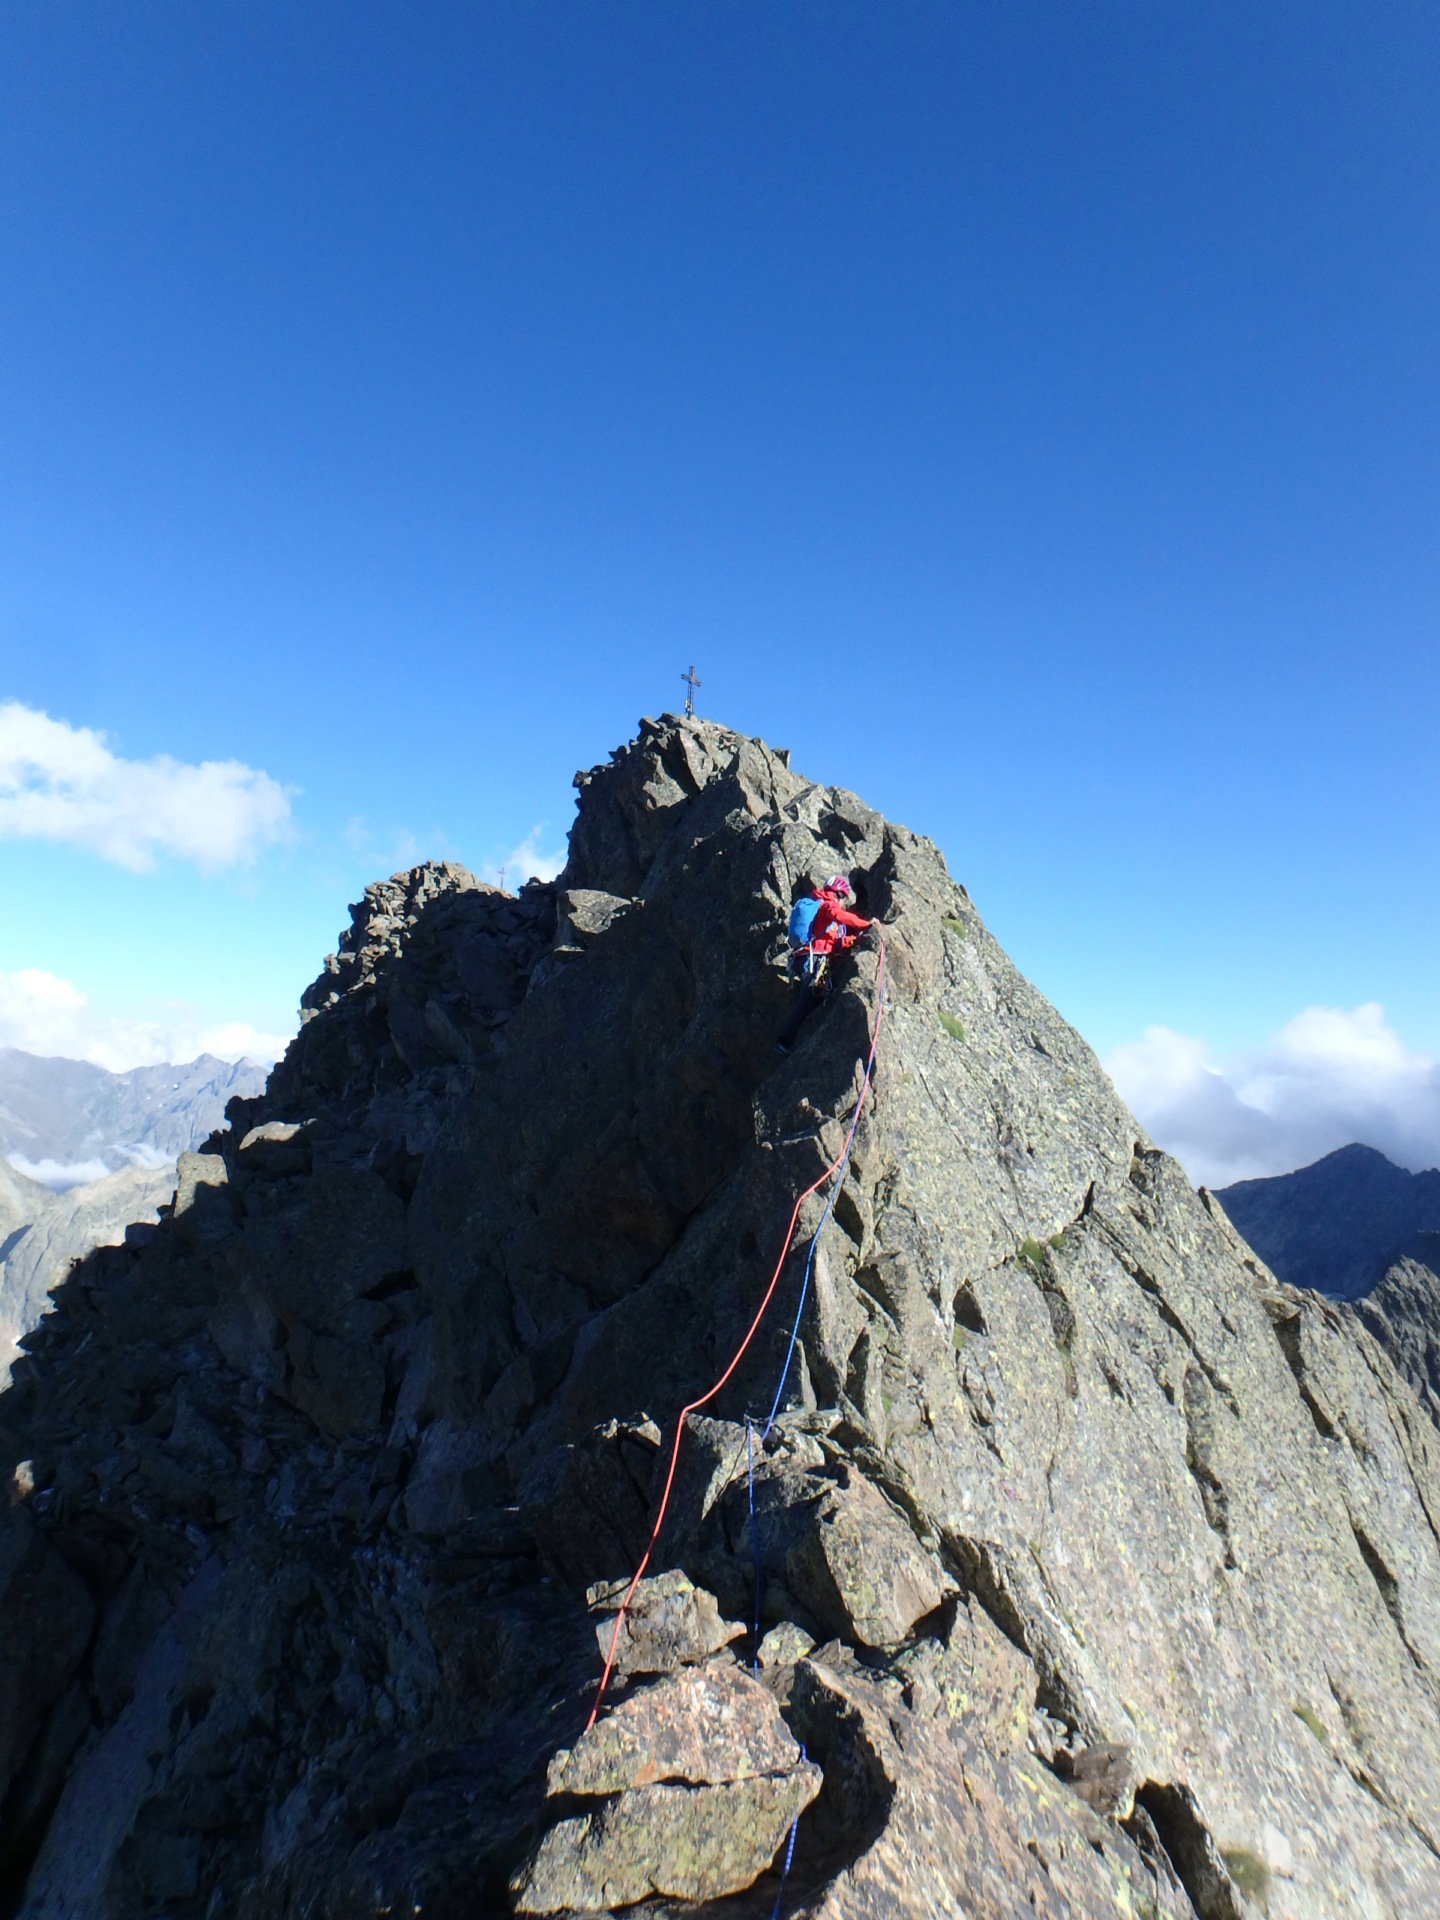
(1362, 1230)
(84, 1154)
(1340, 1225)
(63, 1122)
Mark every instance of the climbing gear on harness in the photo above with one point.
(803, 963)
(837, 1168)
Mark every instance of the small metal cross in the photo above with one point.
(690, 685)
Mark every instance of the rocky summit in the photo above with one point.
(1096, 1570)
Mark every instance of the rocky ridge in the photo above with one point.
(1403, 1315)
(1340, 1224)
(1358, 1228)
(1098, 1570)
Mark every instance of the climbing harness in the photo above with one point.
(814, 967)
(836, 1167)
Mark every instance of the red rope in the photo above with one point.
(695, 1405)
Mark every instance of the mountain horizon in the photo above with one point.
(64, 1121)
(1341, 1222)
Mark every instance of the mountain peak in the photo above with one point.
(368, 1443)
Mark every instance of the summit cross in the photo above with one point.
(690, 685)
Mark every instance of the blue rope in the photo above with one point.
(789, 1853)
(814, 1241)
(754, 1545)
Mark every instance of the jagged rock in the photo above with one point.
(937, 1822)
(782, 1646)
(697, 1780)
(705, 1726)
(584, 1502)
(858, 1569)
(668, 1623)
(975, 1676)
(1403, 1315)
(203, 1210)
(1059, 1466)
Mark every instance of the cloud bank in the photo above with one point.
(42, 1013)
(1327, 1077)
(62, 783)
(59, 1175)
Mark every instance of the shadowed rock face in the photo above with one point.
(1104, 1566)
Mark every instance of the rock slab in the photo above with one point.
(697, 1780)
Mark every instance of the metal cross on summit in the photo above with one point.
(690, 685)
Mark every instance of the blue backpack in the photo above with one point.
(802, 919)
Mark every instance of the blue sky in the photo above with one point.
(1025, 413)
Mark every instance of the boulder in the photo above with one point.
(276, 1147)
(669, 1623)
(585, 1503)
(703, 1726)
(782, 1646)
(690, 1844)
(204, 1210)
(859, 1568)
(695, 1780)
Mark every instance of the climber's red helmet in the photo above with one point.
(839, 886)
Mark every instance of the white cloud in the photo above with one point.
(1327, 1077)
(62, 783)
(525, 862)
(59, 1175)
(42, 1013)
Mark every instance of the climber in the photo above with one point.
(819, 927)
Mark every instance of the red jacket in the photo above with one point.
(834, 925)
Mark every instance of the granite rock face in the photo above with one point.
(1097, 1570)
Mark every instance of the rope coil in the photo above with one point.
(836, 1166)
